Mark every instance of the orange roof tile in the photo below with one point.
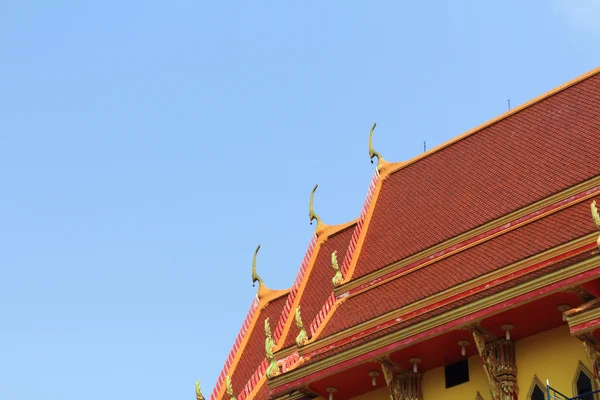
(545, 148)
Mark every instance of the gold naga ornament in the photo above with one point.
(338, 278)
(229, 388)
(302, 336)
(273, 369)
(372, 152)
(199, 395)
(596, 218)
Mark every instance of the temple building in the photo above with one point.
(471, 272)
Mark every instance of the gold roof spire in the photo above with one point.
(312, 215)
(262, 288)
(373, 152)
(199, 395)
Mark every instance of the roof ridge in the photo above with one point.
(392, 167)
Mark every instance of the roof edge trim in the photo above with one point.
(390, 168)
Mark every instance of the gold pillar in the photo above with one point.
(403, 385)
(499, 363)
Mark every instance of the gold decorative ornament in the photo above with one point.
(229, 388)
(262, 291)
(499, 364)
(593, 357)
(403, 385)
(372, 151)
(199, 395)
(596, 218)
(312, 215)
(255, 277)
(302, 336)
(273, 369)
(338, 278)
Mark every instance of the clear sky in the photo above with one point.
(147, 147)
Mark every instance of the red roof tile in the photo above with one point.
(253, 353)
(541, 150)
(446, 308)
(538, 236)
(263, 392)
(318, 286)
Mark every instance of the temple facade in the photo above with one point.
(471, 272)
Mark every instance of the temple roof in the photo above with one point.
(498, 169)
(502, 251)
(497, 207)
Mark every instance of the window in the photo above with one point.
(537, 394)
(457, 373)
(536, 390)
(583, 383)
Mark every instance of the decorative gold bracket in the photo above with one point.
(403, 385)
(596, 218)
(273, 369)
(593, 357)
(229, 388)
(338, 278)
(499, 364)
(199, 395)
(373, 152)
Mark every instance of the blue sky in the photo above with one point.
(146, 148)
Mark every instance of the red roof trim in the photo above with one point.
(439, 329)
(234, 350)
(484, 286)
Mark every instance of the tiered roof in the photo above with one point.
(502, 205)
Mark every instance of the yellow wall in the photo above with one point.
(434, 383)
(553, 355)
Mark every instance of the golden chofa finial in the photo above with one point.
(596, 218)
(312, 215)
(262, 289)
(229, 388)
(199, 395)
(372, 151)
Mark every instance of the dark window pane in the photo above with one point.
(584, 385)
(538, 393)
(457, 373)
